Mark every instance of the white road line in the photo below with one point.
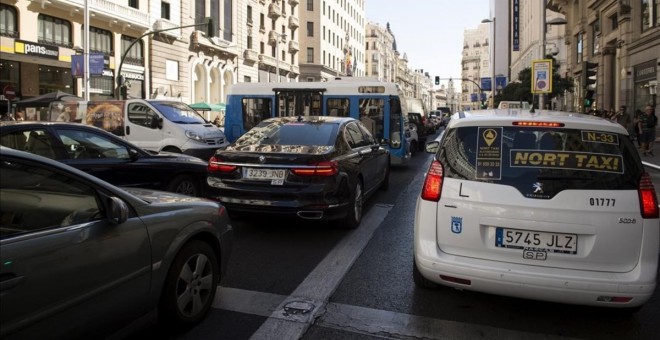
(291, 318)
(361, 320)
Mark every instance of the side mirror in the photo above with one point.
(156, 122)
(432, 147)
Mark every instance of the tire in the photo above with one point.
(420, 280)
(356, 205)
(386, 181)
(190, 286)
(184, 184)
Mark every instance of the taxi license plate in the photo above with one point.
(264, 174)
(536, 240)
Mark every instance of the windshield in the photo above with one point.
(290, 132)
(179, 113)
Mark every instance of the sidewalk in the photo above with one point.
(652, 161)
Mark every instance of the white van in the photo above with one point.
(156, 125)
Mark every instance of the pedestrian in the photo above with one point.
(636, 117)
(622, 117)
(646, 128)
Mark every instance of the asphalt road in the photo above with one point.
(290, 280)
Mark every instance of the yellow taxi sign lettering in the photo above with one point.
(566, 160)
(600, 137)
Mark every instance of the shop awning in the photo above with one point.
(209, 107)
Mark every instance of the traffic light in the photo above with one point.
(210, 27)
(437, 80)
(589, 75)
(589, 98)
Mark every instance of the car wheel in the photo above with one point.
(386, 181)
(190, 286)
(184, 184)
(420, 280)
(354, 215)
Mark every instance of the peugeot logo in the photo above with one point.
(262, 159)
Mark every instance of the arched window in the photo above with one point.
(8, 21)
(136, 55)
(100, 40)
(54, 31)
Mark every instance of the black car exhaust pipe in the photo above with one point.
(310, 215)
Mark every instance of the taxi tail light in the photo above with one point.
(324, 169)
(433, 182)
(648, 201)
(215, 165)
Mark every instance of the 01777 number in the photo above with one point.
(601, 202)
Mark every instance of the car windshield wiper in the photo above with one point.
(562, 177)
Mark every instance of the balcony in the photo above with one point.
(295, 69)
(273, 36)
(293, 2)
(294, 22)
(267, 60)
(274, 10)
(293, 46)
(105, 10)
(251, 55)
(162, 24)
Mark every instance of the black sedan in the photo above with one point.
(107, 156)
(83, 259)
(316, 168)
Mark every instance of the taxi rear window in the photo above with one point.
(561, 158)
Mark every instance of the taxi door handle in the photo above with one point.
(10, 280)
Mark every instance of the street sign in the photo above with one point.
(9, 92)
(542, 76)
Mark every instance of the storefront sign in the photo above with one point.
(135, 76)
(645, 71)
(516, 25)
(35, 49)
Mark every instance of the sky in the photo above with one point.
(430, 32)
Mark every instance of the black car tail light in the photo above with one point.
(319, 169)
(433, 182)
(216, 166)
(648, 201)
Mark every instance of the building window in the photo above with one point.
(272, 50)
(52, 79)
(8, 22)
(200, 14)
(310, 55)
(262, 47)
(650, 15)
(100, 40)
(54, 31)
(262, 22)
(136, 55)
(578, 48)
(595, 37)
(133, 3)
(165, 10)
(227, 27)
(249, 42)
(247, 79)
(310, 29)
(249, 15)
(310, 5)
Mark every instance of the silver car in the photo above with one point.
(80, 258)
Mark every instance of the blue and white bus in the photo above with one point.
(377, 104)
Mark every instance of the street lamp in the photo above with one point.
(279, 36)
(554, 21)
(492, 79)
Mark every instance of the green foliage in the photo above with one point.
(522, 89)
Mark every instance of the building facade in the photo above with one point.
(380, 53)
(334, 39)
(475, 65)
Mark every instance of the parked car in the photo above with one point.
(552, 206)
(418, 120)
(107, 156)
(83, 259)
(312, 167)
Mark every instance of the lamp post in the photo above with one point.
(277, 52)
(545, 23)
(492, 79)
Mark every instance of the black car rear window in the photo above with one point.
(558, 159)
(291, 133)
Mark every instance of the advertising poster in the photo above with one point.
(107, 115)
(489, 154)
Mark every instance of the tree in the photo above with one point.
(522, 89)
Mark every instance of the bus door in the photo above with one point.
(296, 102)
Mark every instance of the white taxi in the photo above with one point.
(550, 206)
